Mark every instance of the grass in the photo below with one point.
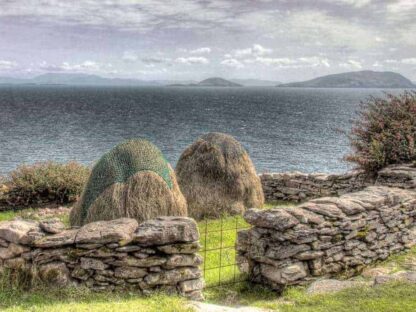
(391, 297)
(81, 299)
(394, 297)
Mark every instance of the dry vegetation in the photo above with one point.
(217, 177)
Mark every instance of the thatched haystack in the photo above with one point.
(217, 177)
(132, 180)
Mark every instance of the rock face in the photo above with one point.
(106, 255)
(297, 186)
(325, 236)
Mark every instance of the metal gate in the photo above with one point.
(218, 239)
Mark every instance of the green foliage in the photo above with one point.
(43, 183)
(384, 132)
(122, 162)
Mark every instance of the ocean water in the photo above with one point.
(282, 128)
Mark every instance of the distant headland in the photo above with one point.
(359, 79)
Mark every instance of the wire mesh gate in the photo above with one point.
(218, 239)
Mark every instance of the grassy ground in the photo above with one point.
(216, 233)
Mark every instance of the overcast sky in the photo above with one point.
(283, 40)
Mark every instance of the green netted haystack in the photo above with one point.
(217, 177)
(131, 180)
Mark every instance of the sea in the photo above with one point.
(283, 129)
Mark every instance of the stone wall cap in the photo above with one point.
(167, 230)
(17, 231)
(104, 232)
(277, 218)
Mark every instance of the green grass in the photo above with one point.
(81, 299)
(394, 297)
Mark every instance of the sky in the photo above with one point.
(280, 40)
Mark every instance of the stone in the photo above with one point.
(309, 255)
(402, 276)
(328, 210)
(167, 230)
(277, 219)
(12, 251)
(91, 263)
(188, 248)
(284, 275)
(183, 260)
(3, 243)
(81, 274)
(305, 216)
(325, 286)
(54, 274)
(171, 277)
(348, 207)
(191, 285)
(373, 272)
(129, 272)
(57, 240)
(136, 262)
(283, 252)
(17, 230)
(104, 232)
(53, 226)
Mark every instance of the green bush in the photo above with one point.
(384, 132)
(43, 183)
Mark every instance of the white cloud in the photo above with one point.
(129, 56)
(285, 62)
(409, 61)
(5, 65)
(204, 50)
(192, 60)
(354, 3)
(232, 63)
(352, 64)
(255, 50)
(83, 67)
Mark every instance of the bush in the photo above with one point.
(44, 182)
(384, 132)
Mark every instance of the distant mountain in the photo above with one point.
(210, 82)
(94, 80)
(359, 79)
(256, 82)
(217, 82)
(77, 80)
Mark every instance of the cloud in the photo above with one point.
(255, 50)
(155, 60)
(286, 62)
(129, 56)
(409, 61)
(353, 3)
(83, 67)
(6, 65)
(204, 50)
(192, 60)
(232, 63)
(351, 64)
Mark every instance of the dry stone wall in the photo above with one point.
(106, 255)
(322, 237)
(297, 186)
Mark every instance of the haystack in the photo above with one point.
(217, 177)
(132, 180)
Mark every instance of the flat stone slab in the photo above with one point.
(104, 232)
(18, 230)
(167, 230)
(325, 286)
